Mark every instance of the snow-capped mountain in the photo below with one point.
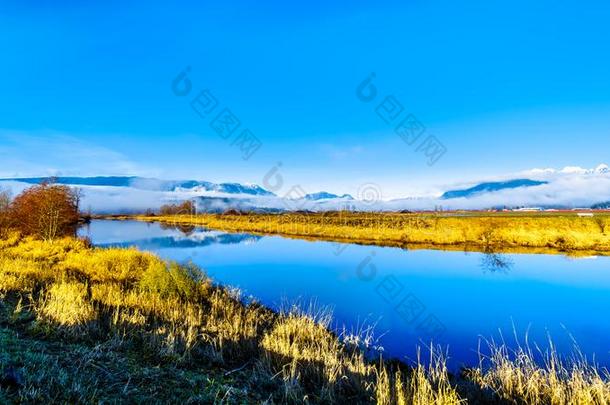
(126, 194)
(323, 195)
(600, 169)
(569, 187)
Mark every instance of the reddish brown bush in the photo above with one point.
(46, 211)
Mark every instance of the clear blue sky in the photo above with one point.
(506, 86)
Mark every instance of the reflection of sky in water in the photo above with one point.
(467, 294)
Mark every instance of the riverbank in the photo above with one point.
(564, 233)
(80, 324)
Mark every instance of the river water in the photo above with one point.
(410, 297)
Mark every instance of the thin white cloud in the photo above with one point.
(46, 153)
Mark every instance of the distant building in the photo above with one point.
(528, 209)
(584, 214)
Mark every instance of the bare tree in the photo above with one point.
(5, 203)
(5, 200)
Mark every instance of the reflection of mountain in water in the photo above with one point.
(191, 241)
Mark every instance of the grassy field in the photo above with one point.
(563, 232)
(88, 325)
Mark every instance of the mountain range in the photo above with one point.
(143, 183)
(565, 188)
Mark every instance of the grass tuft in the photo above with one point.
(66, 304)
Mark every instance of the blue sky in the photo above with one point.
(87, 89)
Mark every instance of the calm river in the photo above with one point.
(410, 297)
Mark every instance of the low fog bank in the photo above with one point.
(573, 190)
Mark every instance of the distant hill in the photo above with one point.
(490, 187)
(129, 194)
(570, 187)
(143, 183)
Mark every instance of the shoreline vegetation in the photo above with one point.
(80, 324)
(83, 324)
(508, 233)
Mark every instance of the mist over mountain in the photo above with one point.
(143, 183)
(490, 188)
(570, 187)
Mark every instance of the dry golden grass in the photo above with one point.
(173, 314)
(515, 375)
(497, 232)
(66, 304)
(125, 306)
(422, 386)
(309, 354)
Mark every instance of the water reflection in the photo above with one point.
(186, 240)
(183, 228)
(496, 262)
(155, 237)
